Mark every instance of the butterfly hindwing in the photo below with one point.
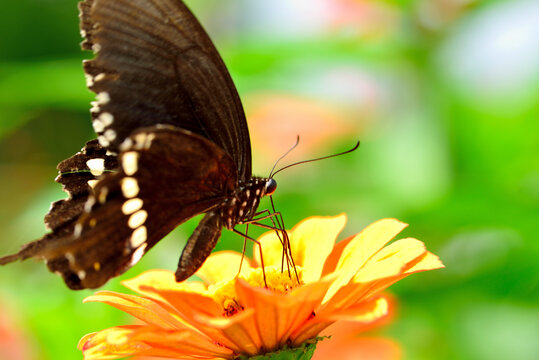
(156, 188)
(155, 64)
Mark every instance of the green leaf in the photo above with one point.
(304, 352)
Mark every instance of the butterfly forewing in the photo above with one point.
(155, 64)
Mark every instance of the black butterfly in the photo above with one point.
(172, 143)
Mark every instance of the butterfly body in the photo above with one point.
(172, 143)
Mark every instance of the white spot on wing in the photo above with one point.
(137, 219)
(70, 258)
(89, 80)
(138, 237)
(127, 144)
(103, 195)
(95, 107)
(99, 77)
(103, 141)
(81, 274)
(96, 166)
(110, 135)
(140, 139)
(96, 48)
(148, 142)
(137, 255)
(103, 97)
(129, 162)
(98, 125)
(89, 204)
(132, 205)
(130, 187)
(77, 231)
(106, 118)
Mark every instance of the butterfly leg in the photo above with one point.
(243, 249)
(278, 225)
(247, 237)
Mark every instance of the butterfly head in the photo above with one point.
(270, 187)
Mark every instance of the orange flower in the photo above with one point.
(352, 341)
(226, 315)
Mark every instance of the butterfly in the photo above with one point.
(172, 142)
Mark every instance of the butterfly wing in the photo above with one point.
(155, 64)
(165, 176)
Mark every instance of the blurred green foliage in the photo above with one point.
(450, 145)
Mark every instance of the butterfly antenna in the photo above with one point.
(320, 158)
(283, 156)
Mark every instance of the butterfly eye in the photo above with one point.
(270, 187)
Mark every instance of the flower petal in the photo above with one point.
(112, 343)
(161, 280)
(312, 241)
(361, 248)
(355, 292)
(240, 330)
(223, 266)
(181, 344)
(195, 309)
(391, 260)
(364, 312)
(121, 341)
(429, 261)
(278, 315)
(333, 258)
(143, 309)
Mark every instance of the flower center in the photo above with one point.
(278, 281)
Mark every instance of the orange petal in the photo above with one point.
(112, 343)
(223, 266)
(122, 341)
(312, 241)
(186, 343)
(161, 280)
(428, 262)
(356, 292)
(194, 309)
(143, 309)
(333, 258)
(391, 260)
(239, 329)
(365, 312)
(361, 248)
(278, 315)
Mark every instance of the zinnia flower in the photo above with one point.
(230, 315)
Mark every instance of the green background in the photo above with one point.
(443, 94)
